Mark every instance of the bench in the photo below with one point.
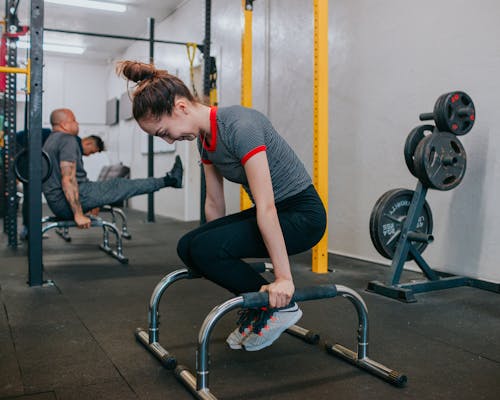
(62, 227)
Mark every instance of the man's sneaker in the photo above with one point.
(247, 317)
(270, 324)
(173, 178)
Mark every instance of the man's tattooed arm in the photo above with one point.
(70, 188)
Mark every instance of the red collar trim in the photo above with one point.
(213, 130)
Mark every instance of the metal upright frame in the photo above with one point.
(206, 93)
(10, 219)
(35, 267)
(151, 160)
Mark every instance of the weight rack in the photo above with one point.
(413, 232)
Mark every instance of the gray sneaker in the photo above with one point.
(269, 326)
(246, 318)
(173, 178)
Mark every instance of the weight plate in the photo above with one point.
(412, 141)
(388, 217)
(21, 166)
(374, 224)
(455, 113)
(440, 161)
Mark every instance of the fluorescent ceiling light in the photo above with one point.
(54, 47)
(96, 5)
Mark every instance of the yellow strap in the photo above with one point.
(213, 97)
(191, 52)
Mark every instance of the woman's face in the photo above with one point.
(171, 128)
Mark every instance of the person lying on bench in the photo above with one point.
(69, 192)
(241, 145)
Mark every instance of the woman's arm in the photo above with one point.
(215, 205)
(259, 180)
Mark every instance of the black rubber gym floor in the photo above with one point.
(75, 340)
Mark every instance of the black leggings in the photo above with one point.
(215, 250)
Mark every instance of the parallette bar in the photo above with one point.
(392, 376)
(187, 378)
(304, 334)
(261, 299)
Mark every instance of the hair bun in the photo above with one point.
(135, 71)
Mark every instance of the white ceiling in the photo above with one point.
(133, 22)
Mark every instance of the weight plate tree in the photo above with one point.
(440, 161)
(388, 217)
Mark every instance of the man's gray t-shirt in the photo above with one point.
(62, 147)
(239, 133)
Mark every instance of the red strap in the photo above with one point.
(213, 130)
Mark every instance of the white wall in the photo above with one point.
(389, 61)
(78, 85)
(81, 86)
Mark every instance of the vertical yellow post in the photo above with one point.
(246, 76)
(320, 147)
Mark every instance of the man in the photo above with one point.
(88, 145)
(91, 144)
(70, 194)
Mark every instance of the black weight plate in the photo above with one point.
(412, 141)
(387, 219)
(374, 216)
(437, 114)
(455, 113)
(21, 166)
(440, 161)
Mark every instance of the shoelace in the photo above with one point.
(246, 318)
(263, 317)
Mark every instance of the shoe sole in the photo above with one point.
(267, 344)
(234, 346)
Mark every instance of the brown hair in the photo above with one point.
(156, 89)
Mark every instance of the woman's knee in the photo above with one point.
(183, 249)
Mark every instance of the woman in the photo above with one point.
(241, 145)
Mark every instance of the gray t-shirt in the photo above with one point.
(238, 133)
(62, 147)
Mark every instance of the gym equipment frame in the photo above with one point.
(198, 385)
(62, 227)
(435, 280)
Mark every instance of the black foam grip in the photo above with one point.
(261, 299)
